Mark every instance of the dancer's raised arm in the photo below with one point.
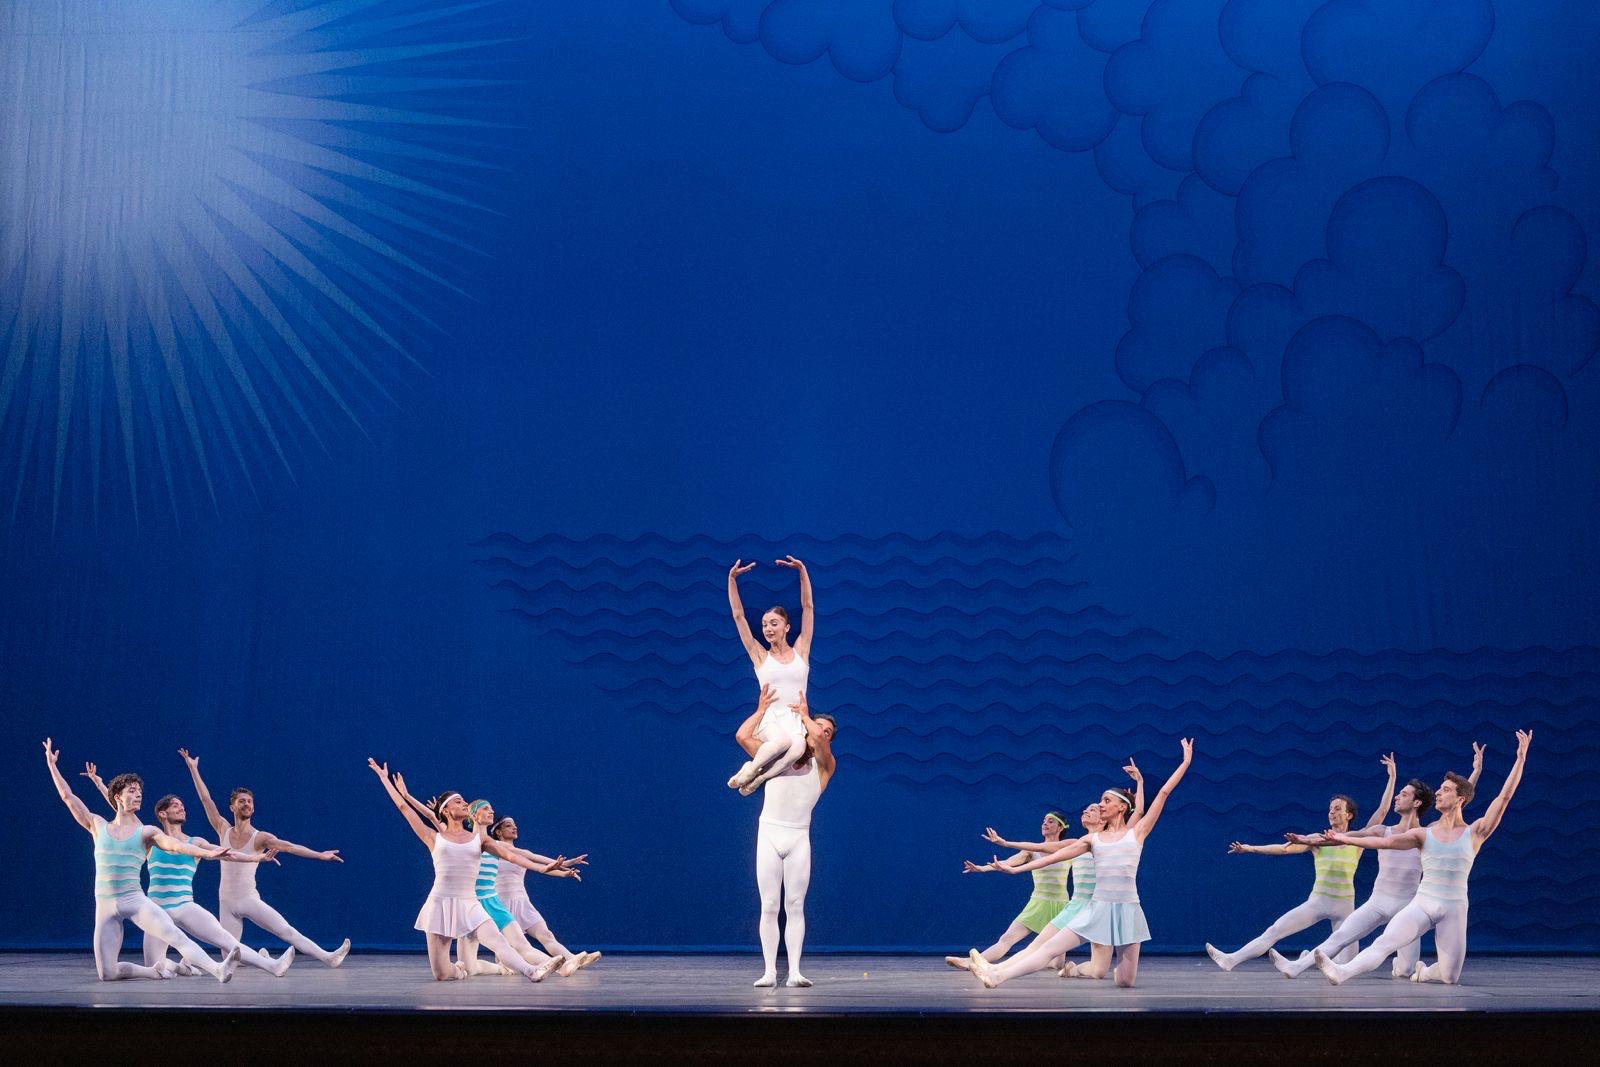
(1381, 812)
(1132, 770)
(213, 816)
(91, 772)
(1477, 763)
(1497, 807)
(68, 797)
(420, 828)
(1147, 823)
(416, 805)
(752, 647)
(808, 609)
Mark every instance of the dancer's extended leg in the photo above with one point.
(199, 923)
(108, 946)
(1035, 957)
(796, 880)
(541, 933)
(232, 912)
(155, 922)
(497, 943)
(1312, 911)
(1450, 943)
(1412, 922)
(1345, 937)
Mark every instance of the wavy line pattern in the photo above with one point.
(984, 664)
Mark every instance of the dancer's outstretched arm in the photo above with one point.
(1071, 850)
(68, 797)
(752, 647)
(1497, 807)
(330, 855)
(420, 828)
(1157, 806)
(416, 805)
(576, 861)
(213, 816)
(808, 610)
(1381, 812)
(1137, 775)
(167, 843)
(994, 838)
(1288, 848)
(968, 867)
(557, 867)
(1409, 839)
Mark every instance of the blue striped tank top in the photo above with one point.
(116, 863)
(1083, 877)
(172, 876)
(488, 868)
(1445, 866)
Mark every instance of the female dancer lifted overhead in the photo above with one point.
(784, 667)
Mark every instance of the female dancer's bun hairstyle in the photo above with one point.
(1424, 794)
(779, 610)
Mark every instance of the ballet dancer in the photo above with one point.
(783, 837)
(172, 890)
(1113, 921)
(783, 736)
(510, 886)
(1081, 869)
(452, 910)
(1399, 871)
(1448, 848)
(237, 897)
(1333, 889)
(120, 848)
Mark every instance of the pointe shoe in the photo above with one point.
(958, 962)
(281, 968)
(1069, 970)
(1420, 972)
(230, 963)
(766, 981)
(749, 787)
(339, 954)
(982, 969)
(742, 775)
(570, 965)
(1219, 957)
(1327, 967)
(541, 972)
(587, 959)
(798, 981)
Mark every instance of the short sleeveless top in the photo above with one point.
(1050, 883)
(789, 679)
(1117, 868)
(1445, 866)
(787, 800)
(238, 879)
(508, 880)
(116, 861)
(1083, 877)
(455, 867)
(1399, 870)
(172, 876)
(488, 871)
(1335, 866)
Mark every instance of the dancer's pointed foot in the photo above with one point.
(796, 980)
(983, 969)
(1069, 970)
(1328, 967)
(588, 958)
(281, 967)
(1286, 967)
(958, 962)
(570, 965)
(742, 775)
(541, 972)
(766, 981)
(230, 963)
(748, 788)
(1219, 957)
(339, 954)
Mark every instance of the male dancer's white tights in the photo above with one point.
(233, 911)
(1448, 921)
(1377, 911)
(783, 872)
(196, 921)
(147, 915)
(1315, 909)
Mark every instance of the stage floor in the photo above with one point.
(845, 985)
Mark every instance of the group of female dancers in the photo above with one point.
(478, 896)
(1421, 884)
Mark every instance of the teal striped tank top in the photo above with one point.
(1336, 871)
(172, 876)
(116, 863)
(488, 869)
(1083, 877)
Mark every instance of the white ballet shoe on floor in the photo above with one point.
(281, 967)
(587, 959)
(1328, 967)
(798, 981)
(982, 969)
(541, 972)
(339, 954)
(570, 965)
(766, 981)
(230, 963)
(958, 962)
(1219, 957)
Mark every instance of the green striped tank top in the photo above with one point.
(1336, 871)
(1050, 883)
(172, 876)
(116, 863)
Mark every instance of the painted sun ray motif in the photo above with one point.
(320, 31)
(309, 155)
(287, 105)
(326, 186)
(343, 140)
(117, 340)
(168, 348)
(289, 71)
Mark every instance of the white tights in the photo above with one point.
(1054, 943)
(147, 915)
(783, 870)
(1314, 910)
(233, 911)
(777, 755)
(1449, 925)
(445, 971)
(516, 941)
(1377, 911)
(192, 919)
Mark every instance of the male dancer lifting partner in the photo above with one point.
(1448, 848)
(783, 842)
(120, 847)
(172, 890)
(1399, 871)
(237, 898)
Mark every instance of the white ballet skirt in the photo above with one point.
(452, 908)
(789, 679)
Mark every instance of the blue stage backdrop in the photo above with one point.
(401, 378)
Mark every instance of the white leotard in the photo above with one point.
(508, 880)
(1399, 870)
(455, 868)
(789, 679)
(787, 800)
(238, 879)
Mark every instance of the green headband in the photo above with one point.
(1058, 817)
(477, 806)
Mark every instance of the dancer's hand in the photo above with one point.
(217, 852)
(1238, 847)
(1304, 839)
(1524, 739)
(801, 708)
(192, 761)
(380, 769)
(1477, 756)
(789, 561)
(991, 836)
(1188, 749)
(736, 570)
(1132, 770)
(968, 867)
(1388, 762)
(995, 864)
(769, 694)
(398, 779)
(50, 754)
(1333, 837)
(91, 772)
(330, 856)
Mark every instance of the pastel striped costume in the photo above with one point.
(1399, 871)
(1114, 915)
(1083, 886)
(1049, 895)
(118, 898)
(172, 888)
(1332, 900)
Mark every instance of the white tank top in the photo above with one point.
(1399, 870)
(1117, 868)
(455, 867)
(238, 879)
(508, 880)
(789, 679)
(787, 800)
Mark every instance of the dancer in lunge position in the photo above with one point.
(172, 889)
(787, 669)
(1061, 909)
(452, 909)
(1448, 848)
(783, 840)
(1399, 871)
(1113, 920)
(1333, 890)
(510, 886)
(120, 848)
(237, 897)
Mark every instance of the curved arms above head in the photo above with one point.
(1381, 812)
(808, 610)
(752, 647)
(1148, 822)
(1497, 807)
(423, 831)
(209, 806)
(64, 791)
